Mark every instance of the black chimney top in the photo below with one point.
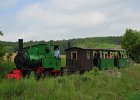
(20, 45)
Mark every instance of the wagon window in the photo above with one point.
(74, 55)
(88, 54)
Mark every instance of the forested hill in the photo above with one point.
(94, 42)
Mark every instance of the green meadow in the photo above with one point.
(113, 84)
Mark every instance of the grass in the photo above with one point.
(93, 85)
(5, 67)
(63, 60)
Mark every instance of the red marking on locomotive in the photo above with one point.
(15, 74)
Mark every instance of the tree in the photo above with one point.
(2, 49)
(1, 33)
(131, 42)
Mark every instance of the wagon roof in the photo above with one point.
(96, 49)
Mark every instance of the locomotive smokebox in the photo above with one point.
(21, 60)
(20, 45)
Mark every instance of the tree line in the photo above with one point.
(129, 41)
(94, 42)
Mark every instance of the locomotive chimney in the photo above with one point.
(20, 45)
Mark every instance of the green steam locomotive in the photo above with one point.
(40, 59)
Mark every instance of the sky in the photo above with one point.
(66, 19)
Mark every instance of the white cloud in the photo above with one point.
(63, 19)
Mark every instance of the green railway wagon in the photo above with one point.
(109, 58)
(121, 62)
(105, 58)
(106, 63)
(122, 59)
